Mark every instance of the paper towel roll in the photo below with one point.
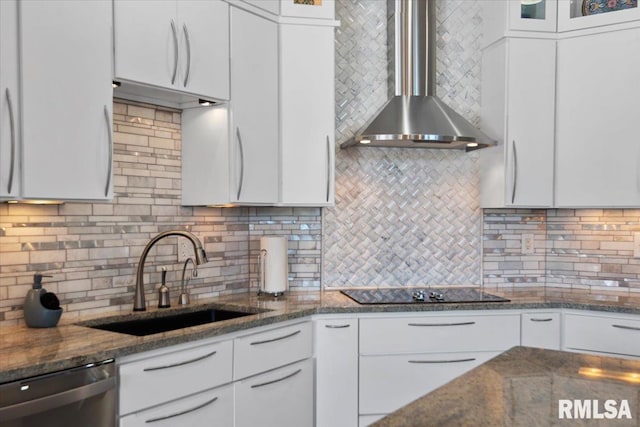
(274, 265)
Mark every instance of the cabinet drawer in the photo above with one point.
(197, 410)
(439, 334)
(541, 330)
(282, 398)
(615, 335)
(270, 349)
(390, 382)
(158, 379)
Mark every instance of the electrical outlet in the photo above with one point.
(184, 250)
(527, 244)
(636, 244)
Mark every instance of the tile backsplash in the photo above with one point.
(588, 249)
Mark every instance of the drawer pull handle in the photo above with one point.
(633, 328)
(546, 319)
(471, 359)
(186, 411)
(443, 324)
(337, 326)
(286, 377)
(186, 362)
(276, 339)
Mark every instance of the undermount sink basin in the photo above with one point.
(155, 325)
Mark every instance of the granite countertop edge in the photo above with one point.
(120, 345)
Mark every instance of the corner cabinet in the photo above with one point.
(598, 148)
(66, 99)
(518, 96)
(9, 101)
(177, 45)
(273, 144)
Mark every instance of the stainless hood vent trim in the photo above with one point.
(415, 117)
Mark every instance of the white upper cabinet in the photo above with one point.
(9, 101)
(598, 148)
(518, 90)
(278, 147)
(307, 114)
(66, 99)
(254, 108)
(504, 17)
(178, 45)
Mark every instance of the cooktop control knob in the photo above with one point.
(418, 296)
(436, 296)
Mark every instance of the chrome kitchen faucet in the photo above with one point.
(139, 303)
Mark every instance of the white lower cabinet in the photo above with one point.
(336, 372)
(388, 382)
(279, 398)
(404, 357)
(616, 335)
(154, 378)
(208, 408)
(540, 329)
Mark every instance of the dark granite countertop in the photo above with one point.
(531, 387)
(25, 352)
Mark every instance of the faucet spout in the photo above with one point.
(139, 303)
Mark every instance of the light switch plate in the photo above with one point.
(636, 244)
(527, 244)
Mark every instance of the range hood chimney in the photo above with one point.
(415, 117)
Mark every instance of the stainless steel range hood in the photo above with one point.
(415, 117)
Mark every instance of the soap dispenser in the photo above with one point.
(41, 308)
(163, 292)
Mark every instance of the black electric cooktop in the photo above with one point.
(420, 296)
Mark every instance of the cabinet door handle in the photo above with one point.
(546, 319)
(337, 326)
(241, 163)
(471, 359)
(286, 377)
(186, 411)
(12, 127)
(276, 339)
(514, 178)
(328, 167)
(632, 328)
(186, 362)
(107, 118)
(186, 37)
(443, 324)
(175, 51)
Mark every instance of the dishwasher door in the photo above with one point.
(83, 396)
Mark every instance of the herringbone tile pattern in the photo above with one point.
(402, 217)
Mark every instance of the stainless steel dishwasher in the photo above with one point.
(82, 396)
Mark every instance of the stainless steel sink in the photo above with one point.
(157, 324)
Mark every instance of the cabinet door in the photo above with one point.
(9, 107)
(307, 114)
(336, 372)
(204, 31)
(541, 329)
(598, 153)
(254, 106)
(390, 382)
(616, 335)
(209, 408)
(146, 41)
(280, 398)
(518, 96)
(530, 122)
(67, 99)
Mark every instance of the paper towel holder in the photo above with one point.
(262, 276)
